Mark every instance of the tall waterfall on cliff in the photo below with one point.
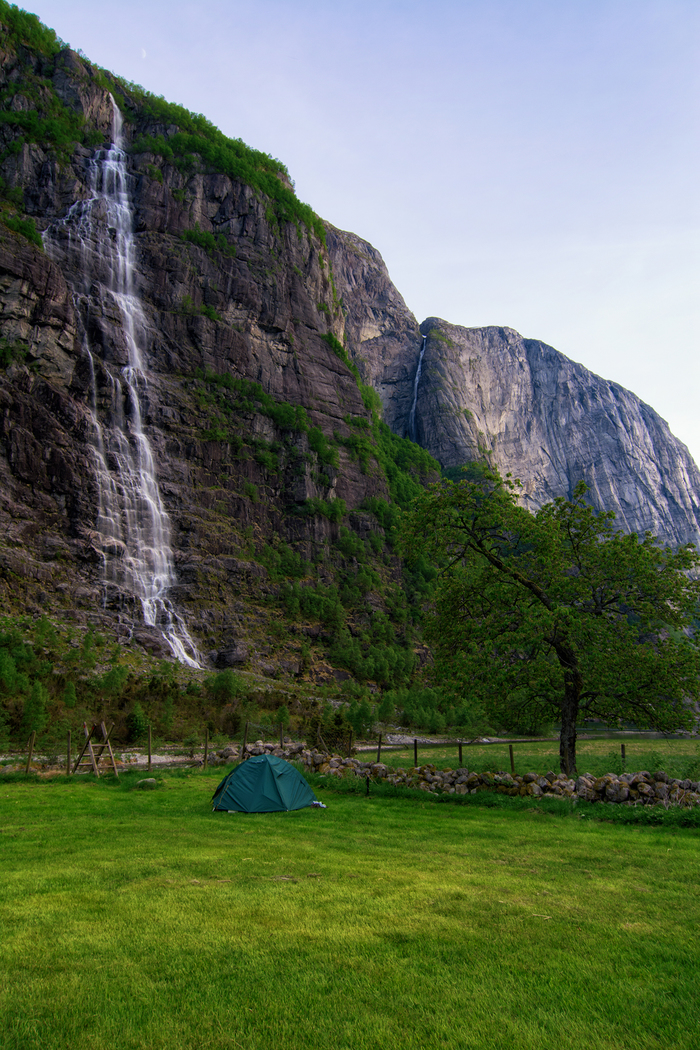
(133, 526)
(416, 381)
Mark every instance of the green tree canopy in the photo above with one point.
(557, 614)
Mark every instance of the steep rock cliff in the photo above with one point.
(381, 333)
(253, 324)
(488, 392)
(247, 299)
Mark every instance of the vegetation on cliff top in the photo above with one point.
(186, 139)
(26, 29)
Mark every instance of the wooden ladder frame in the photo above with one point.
(90, 756)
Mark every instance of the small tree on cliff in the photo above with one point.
(556, 614)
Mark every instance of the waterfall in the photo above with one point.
(416, 381)
(133, 526)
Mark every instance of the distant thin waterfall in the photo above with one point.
(132, 523)
(416, 381)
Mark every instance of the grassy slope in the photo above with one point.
(144, 920)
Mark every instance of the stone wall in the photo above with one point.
(642, 788)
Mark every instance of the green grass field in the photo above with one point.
(143, 920)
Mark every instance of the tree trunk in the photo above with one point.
(567, 743)
(573, 683)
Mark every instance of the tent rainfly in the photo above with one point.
(263, 784)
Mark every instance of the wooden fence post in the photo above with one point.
(245, 741)
(622, 755)
(281, 735)
(149, 747)
(367, 784)
(379, 749)
(31, 751)
(68, 755)
(512, 760)
(206, 746)
(415, 752)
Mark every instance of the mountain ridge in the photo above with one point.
(268, 341)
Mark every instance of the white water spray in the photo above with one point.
(416, 381)
(132, 524)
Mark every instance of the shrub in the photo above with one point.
(212, 243)
(69, 697)
(25, 228)
(225, 687)
(230, 720)
(35, 719)
(136, 724)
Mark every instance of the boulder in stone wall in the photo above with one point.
(617, 791)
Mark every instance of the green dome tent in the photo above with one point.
(263, 784)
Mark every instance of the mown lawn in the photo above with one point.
(144, 920)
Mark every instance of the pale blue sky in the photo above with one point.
(531, 163)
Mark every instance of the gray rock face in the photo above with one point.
(488, 392)
(381, 334)
(265, 309)
(262, 311)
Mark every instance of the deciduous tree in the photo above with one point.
(557, 613)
